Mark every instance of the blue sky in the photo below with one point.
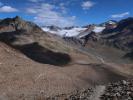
(67, 12)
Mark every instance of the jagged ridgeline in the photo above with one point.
(18, 24)
(18, 31)
(33, 42)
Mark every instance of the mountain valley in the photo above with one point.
(38, 64)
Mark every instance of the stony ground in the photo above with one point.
(122, 90)
(24, 79)
(77, 95)
(35, 65)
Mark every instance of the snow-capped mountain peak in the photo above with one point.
(67, 32)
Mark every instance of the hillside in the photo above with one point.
(35, 64)
(110, 40)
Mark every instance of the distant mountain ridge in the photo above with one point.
(115, 34)
(63, 32)
(120, 36)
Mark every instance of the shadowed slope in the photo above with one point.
(28, 38)
(42, 55)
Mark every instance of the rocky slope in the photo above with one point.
(120, 36)
(24, 36)
(35, 64)
(122, 90)
(23, 78)
(17, 31)
(116, 36)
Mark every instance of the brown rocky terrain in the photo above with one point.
(121, 90)
(35, 65)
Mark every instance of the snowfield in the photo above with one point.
(66, 32)
(98, 29)
(74, 31)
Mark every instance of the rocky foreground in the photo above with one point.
(77, 95)
(122, 90)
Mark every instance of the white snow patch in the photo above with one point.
(98, 29)
(111, 22)
(48, 30)
(72, 32)
(66, 32)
